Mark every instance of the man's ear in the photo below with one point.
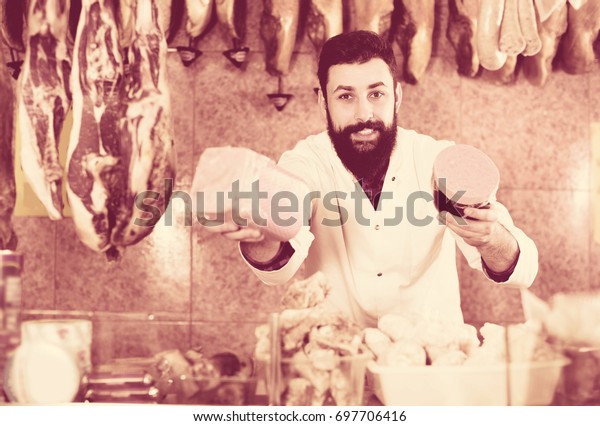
(398, 97)
(322, 103)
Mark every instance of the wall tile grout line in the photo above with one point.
(54, 268)
(589, 177)
(191, 237)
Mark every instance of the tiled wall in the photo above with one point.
(182, 288)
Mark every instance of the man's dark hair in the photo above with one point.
(356, 47)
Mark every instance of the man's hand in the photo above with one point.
(480, 228)
(235, 232)
(253, 241)
(477, 228)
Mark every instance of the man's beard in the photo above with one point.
(364, 164)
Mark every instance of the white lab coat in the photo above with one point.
(385, 266)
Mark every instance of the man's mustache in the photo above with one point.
(371, 124)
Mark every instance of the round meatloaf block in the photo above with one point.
(463, 176)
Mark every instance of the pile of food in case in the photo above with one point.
(571, 321)
(317, 356)
(224, 378)
(323, 356)
(410, 340)
(428, 361)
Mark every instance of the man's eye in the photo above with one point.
(345, 96)
(377, 95)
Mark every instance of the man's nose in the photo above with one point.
(364, 110)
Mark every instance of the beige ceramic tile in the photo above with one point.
(182, 108)
(36, 241)
(232, 108)
(558, 222)
(223, 287)
(538, 138)
(152, 276)
(484, 301)
(433, 106)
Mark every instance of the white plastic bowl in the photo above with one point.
(530, 384)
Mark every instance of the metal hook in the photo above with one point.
(280, 99)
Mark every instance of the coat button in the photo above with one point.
(379, 274)
(377, 227)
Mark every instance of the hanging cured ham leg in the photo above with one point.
(462, 28)
(124, 14)
(511, 40)
(374, 15)
(12, 23)
(175, 17)
(146, 131)
(164, 14)
(488, 34)
(232, 17)
(537, 68)
(414, 36)
(504, 75)
(325, 20)
(278, 26)
(74, 14)
(576, 48)
(8, 239)
(529, 27)
(94, 169)
(43, 100)
(199, 13)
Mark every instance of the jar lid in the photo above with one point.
(464, 168)
(41, 373)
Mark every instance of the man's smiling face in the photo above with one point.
(361, 106)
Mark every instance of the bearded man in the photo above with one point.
(378, 261)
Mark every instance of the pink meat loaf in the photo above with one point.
(464, 168)
(220, 167)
